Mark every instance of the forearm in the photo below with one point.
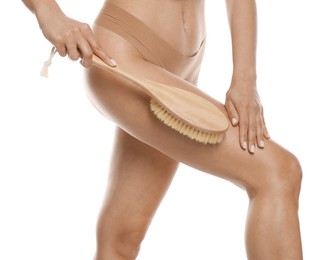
(42, 8)
(37, 6)
(242, 19)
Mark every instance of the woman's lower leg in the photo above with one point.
(273, 230)
(139, 178)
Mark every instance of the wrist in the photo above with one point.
(243, 81)
(247, 72)
(248, 77)
(46, 9)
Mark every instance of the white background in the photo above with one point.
(55, 147)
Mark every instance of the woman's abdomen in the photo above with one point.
(180, 22)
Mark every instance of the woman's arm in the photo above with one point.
(70, 37)
(242, 100)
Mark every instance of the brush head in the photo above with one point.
(184, 128)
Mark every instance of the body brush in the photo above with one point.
(182, 110)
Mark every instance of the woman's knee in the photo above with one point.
(281, 177)
(289, 178)
(129, 242)
(122, 242)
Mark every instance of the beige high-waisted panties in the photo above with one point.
(153, 48)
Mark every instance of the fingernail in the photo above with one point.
(261, 143)
(234, 121)
(113, 62)
(252, 149)
(244, 145)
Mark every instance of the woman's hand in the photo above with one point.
(245, 110)
(71, 37)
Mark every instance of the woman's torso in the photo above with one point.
(180, 22)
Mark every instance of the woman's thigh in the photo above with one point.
(128, 106)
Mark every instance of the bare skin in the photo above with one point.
(147, 153)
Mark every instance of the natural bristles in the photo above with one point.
(189, 131)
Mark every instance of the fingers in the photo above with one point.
(78, 43)
(90, 47)
(232, 113)
(72, 50)
(61, 49)
(249, 133)
(252, 128)
(260, 132)
(252, 134)
(265, 132)
(243, 131)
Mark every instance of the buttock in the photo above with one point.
(149, 44)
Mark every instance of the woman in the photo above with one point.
(164, 41)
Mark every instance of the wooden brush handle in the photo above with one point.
(119, 70)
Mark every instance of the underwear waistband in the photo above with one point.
(153, 47)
